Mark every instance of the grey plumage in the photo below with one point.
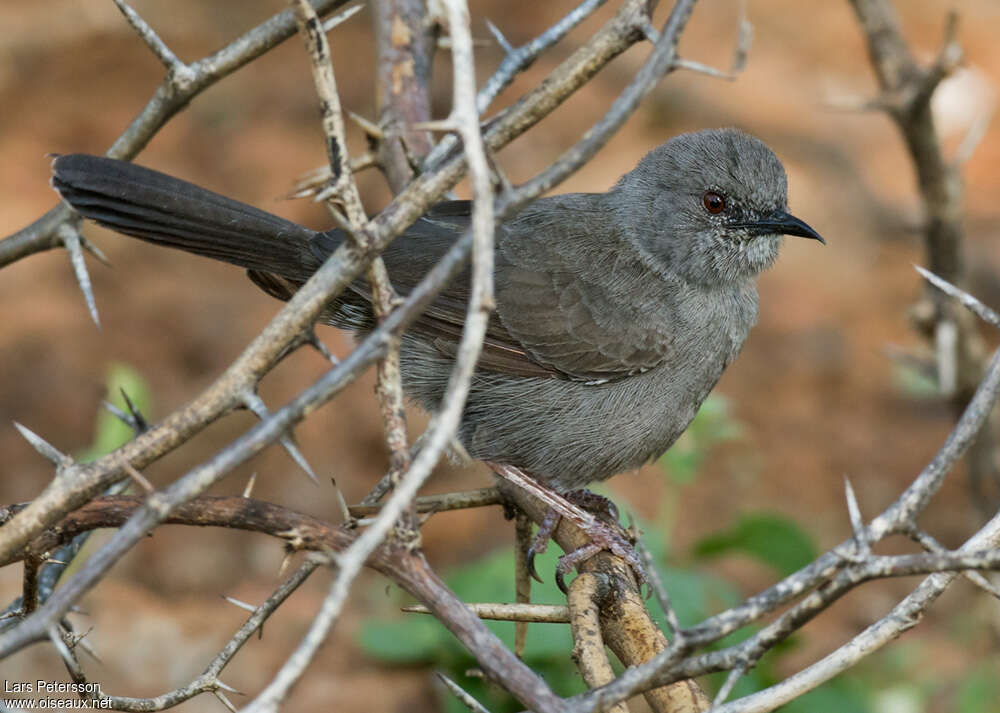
(616, 314)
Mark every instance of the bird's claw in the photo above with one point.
(529, 560)
(603, 536)
(541, 542)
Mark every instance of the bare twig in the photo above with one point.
(968, 301)
(534, 613)
(894, 519)
(208, 681)
(906, 89)
(515, 61)
(904, 616)
(440, 503)
(405, 33)
(89, 479)
(149, 36)
(588, 644)
(179, 87)
(445, 422)
(471, 703)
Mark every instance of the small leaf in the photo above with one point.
(415, 638)
(712, 425)
(980, 691)
(774, 540)
(841, 695)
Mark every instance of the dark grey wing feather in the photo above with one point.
(407, 260)
(556, 317)
(580, 327)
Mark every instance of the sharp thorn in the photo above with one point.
(226, 687)
(315, 342)
(119, 414)
(256, 404)
(345, 510)
(464, 696)
(71, 240)
(141, 425)
(300, 460)
(506, 46)
(42, 446)
(88, 649)
(342, 17)
(248, 490)
(854, 512)
(57, 641)
(242, 605)
(95, 251)
(285, 561)
(442, 125)
(529, 561)
(225, 701)
(138, 477)
(369, 127)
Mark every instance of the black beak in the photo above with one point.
(784, 224)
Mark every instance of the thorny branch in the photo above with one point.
(84, 481)
(906, 89)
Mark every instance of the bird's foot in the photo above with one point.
(605, 534)
(602, 538)
(594, 514)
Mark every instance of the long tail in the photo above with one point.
(164, 210)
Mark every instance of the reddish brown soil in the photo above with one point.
(813, 387)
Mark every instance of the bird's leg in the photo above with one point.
(592, 502)
(541, 542)
(603, 536)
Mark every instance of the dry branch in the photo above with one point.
(906, 88)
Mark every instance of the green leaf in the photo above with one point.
(416, 638)
(980, 691)
(712, 425)
(914, 383)
(841, 695)
(772, 539)
(413, 639)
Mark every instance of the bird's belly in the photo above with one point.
(568, 434)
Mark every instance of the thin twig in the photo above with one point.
(534, 613)
(588, 644)
(85, 481)
(482, 497)
(445, 422)
(176, 92)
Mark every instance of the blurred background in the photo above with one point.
(754, 488)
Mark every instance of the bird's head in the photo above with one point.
(709, 206)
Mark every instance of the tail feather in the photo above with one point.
(167, 211)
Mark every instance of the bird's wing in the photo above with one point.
(556, 317)
(577, 298)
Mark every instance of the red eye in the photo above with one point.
(714, 202)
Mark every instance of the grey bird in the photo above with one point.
(616, 312)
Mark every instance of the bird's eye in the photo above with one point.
(714, 202)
